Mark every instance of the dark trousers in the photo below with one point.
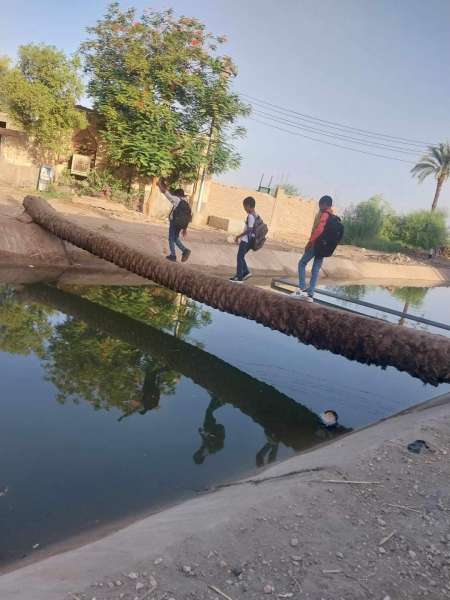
(242, 268)
(174, 239)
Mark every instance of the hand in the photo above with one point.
(237, 239)
(308, 246)
(183, 233)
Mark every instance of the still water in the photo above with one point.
(430, 303)
(116, 401)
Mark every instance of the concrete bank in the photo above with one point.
(22, 243)
(298, 530)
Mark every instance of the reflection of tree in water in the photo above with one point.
(355, 292)
(83, 362)
(24, 327)
(106, 372)
(410, 296)
(101, 354)
(153, 305)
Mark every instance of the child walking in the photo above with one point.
(179, 219)
(245, 240)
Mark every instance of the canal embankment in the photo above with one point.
(24, 246)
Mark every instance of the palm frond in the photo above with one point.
(436, 162)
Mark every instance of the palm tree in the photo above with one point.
(437, 163)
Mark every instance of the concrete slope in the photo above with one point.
(292, 525)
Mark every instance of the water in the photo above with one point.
(430, 303)
(106, 416)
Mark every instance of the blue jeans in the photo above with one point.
(174, 239)
(317, 264)
(242, 268)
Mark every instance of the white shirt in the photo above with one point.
(249, 223)
(174, 200)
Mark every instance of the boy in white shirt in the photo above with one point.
(245, 240)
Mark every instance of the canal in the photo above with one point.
(117, 401)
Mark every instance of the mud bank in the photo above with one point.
(300, 529)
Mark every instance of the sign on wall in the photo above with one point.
(46, 175)
(81, 165)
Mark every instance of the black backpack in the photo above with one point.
(260, 231)
(182, 215)
(327, 241)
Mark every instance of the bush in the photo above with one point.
(424, 229)
(366, 220)
(97, 181)
(373, 224)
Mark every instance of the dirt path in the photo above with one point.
(211, 250)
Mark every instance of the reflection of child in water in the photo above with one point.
(269, 450)
(212, 434)
(328, 424)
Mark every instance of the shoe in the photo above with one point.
(249, 274)
(171, 258)
(309, 298)
(299, 295)
(186, 254)
(235, 279)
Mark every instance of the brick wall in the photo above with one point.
(289, 219)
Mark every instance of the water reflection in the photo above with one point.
(111, 360)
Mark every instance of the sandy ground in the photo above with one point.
(21, 240)
(299, 530)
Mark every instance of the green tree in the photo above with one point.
(437, 164)
(40, 93)
(424, 229)
(162, 94)
(366, 220)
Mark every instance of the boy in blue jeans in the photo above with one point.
(304, 293)
(245, 240)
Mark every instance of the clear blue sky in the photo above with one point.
(378, 65)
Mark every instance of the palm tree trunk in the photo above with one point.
(367, 340)
(437, 193)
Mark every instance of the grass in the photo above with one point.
(380, 244)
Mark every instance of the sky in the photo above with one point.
(380, 66)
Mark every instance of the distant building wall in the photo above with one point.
(289, 219)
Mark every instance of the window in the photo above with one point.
(3, 124)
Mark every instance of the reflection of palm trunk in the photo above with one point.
(405, 312)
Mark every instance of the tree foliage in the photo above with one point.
(160, 90)
(423, 229)
(366, 220)
(40, 93)
(436, 164)
(374, 224)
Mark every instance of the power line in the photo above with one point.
(331, 143)
(335, 125)
(372, 144)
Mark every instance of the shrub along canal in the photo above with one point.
(116, 401)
